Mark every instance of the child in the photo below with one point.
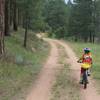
(86, 59)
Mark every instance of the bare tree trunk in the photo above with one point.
(25, 37)
(93, 38)
(90, 37)
(26, 30)
(2, 5)
(20, 17)
(15, 23)
(11, 13)
(7, 17)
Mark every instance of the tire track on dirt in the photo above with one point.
(42, 87)
(90, 93)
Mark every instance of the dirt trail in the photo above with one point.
(41, 89)
(90, 93)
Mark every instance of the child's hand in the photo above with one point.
(79, 61)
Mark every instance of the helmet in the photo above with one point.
(87, 50)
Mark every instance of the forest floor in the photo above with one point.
(20, 66)
(43, 88)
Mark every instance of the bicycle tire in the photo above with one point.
(85, 85)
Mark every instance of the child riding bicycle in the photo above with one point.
(86, 61)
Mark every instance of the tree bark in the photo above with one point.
(11, 12)
(20, 17)
(25, 37)
(93, 38)
(90, 38)
(26, 29)
(7, 17)
(15, 26)
(2, 6)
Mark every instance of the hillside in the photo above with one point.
(20, 66)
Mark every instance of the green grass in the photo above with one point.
(20, 66)
(65, 88)
(95, 49)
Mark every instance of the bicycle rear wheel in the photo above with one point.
(85, 79)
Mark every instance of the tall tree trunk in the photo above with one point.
(15, 26)
(90, 37)
(93, 38)
(11, 12)
(2, 6)
(26, 29)
(19, 17)
(7, 17)
(25, 37)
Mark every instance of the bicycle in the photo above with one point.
(85, 78)
(85, 74)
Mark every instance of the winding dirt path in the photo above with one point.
(42, 87)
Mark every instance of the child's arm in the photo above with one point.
(80, 60)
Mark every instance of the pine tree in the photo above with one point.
(80, 23)
(56, 17)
